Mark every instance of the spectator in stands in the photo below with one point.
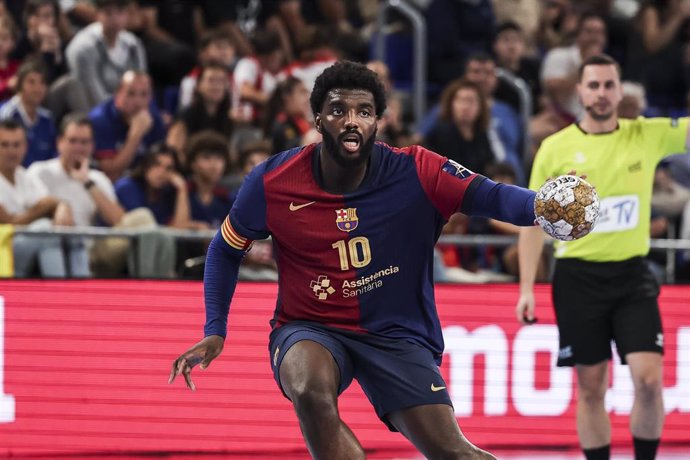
(210, 202)
(316, 53)
(126, 125)
(250, 155)
(100, 54)
(481, 69)
(79, 13)
(156, 184)
(8, 65)
(41, 37)
(169, 38)
(559, 72)
(558, 24)
(509, 49)
(462, 132)
(210, 109)
(217, 15)
(392, 129)
(88, 192)
(208, 156)
(256, 77)
(457, 30)
(25, 108)
(658, 54)
(524, 14)
(214, 46)
(25, 200)
(288, 115)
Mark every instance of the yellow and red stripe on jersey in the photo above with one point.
(233, 238)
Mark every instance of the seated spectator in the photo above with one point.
(41, 37)
(126, 125)
(88, 192)
(210, 203)
(288, 115)
(559, 71)
(391, 127)
(101, 53)
(509, 48)
(214, 46)
(91, 196)
(25, 108)
(169, 38)
(210, 109)
(251, 154)
(157, 185)
(24, 200)
(208, 156)
(8, 65)
(557, 24)
(523, 13)
(462, 132)
(256, 77)
(317, 53)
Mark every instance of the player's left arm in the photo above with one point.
(504, 202)
(453, 188)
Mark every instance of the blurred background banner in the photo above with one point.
(84, 369)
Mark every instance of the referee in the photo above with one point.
(602, 288)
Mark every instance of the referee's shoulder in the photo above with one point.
(561, 135)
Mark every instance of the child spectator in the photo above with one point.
(8, 65)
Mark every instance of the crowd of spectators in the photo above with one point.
(147, 114)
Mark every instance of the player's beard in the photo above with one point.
(334, 148)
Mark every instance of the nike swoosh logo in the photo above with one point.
(294, 207)
(435, 388)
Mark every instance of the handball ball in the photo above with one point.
(567, 207)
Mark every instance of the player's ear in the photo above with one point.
(317, 122)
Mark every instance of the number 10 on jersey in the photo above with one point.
(355, 252)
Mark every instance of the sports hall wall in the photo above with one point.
(84, 368)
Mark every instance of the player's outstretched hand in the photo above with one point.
(524, 310)
(203, 352)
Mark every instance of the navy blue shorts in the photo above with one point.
(395, 374)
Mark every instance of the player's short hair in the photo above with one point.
(598, 59)
(213, 36)
(11, 124)
(209, 142)
(74, 118)
(29, 66)
(348, 75)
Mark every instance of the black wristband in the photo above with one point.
(88, 184)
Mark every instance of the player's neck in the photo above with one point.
(340, 179)
(591, 126)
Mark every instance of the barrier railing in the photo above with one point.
(668, 245)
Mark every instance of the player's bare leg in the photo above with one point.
(310, 377)
(647, 416)
(593, 424)
(434, 430)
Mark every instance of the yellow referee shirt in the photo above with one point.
(621, 166)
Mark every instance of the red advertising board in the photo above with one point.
(84, 368)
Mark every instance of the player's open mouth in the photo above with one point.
(351, 142)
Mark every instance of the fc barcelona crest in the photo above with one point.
(346, 219)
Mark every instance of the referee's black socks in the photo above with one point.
(598, 453)
(645, 449)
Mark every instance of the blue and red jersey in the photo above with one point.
(361, 261)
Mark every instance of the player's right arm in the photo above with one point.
(245, 223)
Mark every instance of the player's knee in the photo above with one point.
(315, 399)
(648, 386)
(591, 395)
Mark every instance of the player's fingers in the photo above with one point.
(187, 373)
(174, 371)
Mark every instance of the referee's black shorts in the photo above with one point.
(596, 302)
